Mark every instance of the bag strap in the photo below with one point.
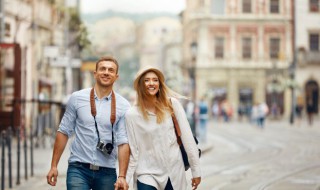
(176, 126)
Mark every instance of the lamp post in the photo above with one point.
(274, 84)
(192, 74)
(292, 86)
(292, 67)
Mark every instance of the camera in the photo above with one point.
(106, 149)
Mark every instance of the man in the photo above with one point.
(88, 115)
(203, 119)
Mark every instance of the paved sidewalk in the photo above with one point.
(42, 162)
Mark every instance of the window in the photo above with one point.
(218, 7)
(314, 41)
(246, 6)
(274, 6)
(7, 29)
(246, 48)
(219, 47)
(274, 48)
(314, 5)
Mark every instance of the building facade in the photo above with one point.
(244, 48)
(308, 49)
(33, 26)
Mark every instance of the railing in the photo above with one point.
(43, 125)
(313, 57)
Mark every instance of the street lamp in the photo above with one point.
(192, 74)
(292, 87)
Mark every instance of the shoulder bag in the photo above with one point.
(178, 135)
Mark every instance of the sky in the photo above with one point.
(132, 6)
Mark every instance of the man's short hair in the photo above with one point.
(107, 58)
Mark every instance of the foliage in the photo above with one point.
(78, 30)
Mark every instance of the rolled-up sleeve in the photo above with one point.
(121, 132)
(68, 122)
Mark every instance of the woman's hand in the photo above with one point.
(195, 182)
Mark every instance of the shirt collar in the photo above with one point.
(105, 97)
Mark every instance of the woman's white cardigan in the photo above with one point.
(155, 154)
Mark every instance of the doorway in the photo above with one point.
(312, 96)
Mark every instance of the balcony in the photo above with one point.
(312, 57)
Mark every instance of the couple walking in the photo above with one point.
(141, 138)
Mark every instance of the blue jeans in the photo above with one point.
(203, 130)
(81, 177)
(142, 186)
(261, 122)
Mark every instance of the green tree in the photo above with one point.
(78, 30)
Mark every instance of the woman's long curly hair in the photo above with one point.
(162, 103)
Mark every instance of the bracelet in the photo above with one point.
(122, 176)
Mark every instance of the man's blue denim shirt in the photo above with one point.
(78, 123)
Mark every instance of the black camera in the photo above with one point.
(106, 149)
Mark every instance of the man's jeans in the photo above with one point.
(81, 177)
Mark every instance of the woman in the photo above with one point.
(155, 161)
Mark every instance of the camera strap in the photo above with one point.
(94, 111)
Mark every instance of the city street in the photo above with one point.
(257, 59)
(278, 157)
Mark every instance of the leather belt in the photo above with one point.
(90, 166)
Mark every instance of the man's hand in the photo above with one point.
(52, 176)
(121, 184)
(195, 182)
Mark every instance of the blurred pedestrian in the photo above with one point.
(241, 111)
(310, 110)
(255, 114)
(95, 116)
(215, 110)
(298, 110)
(191, 111)
(203, 120)
(226, 110)
(155, 160)
(274, 110)
(262, 113)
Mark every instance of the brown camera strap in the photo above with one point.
(94, 111)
